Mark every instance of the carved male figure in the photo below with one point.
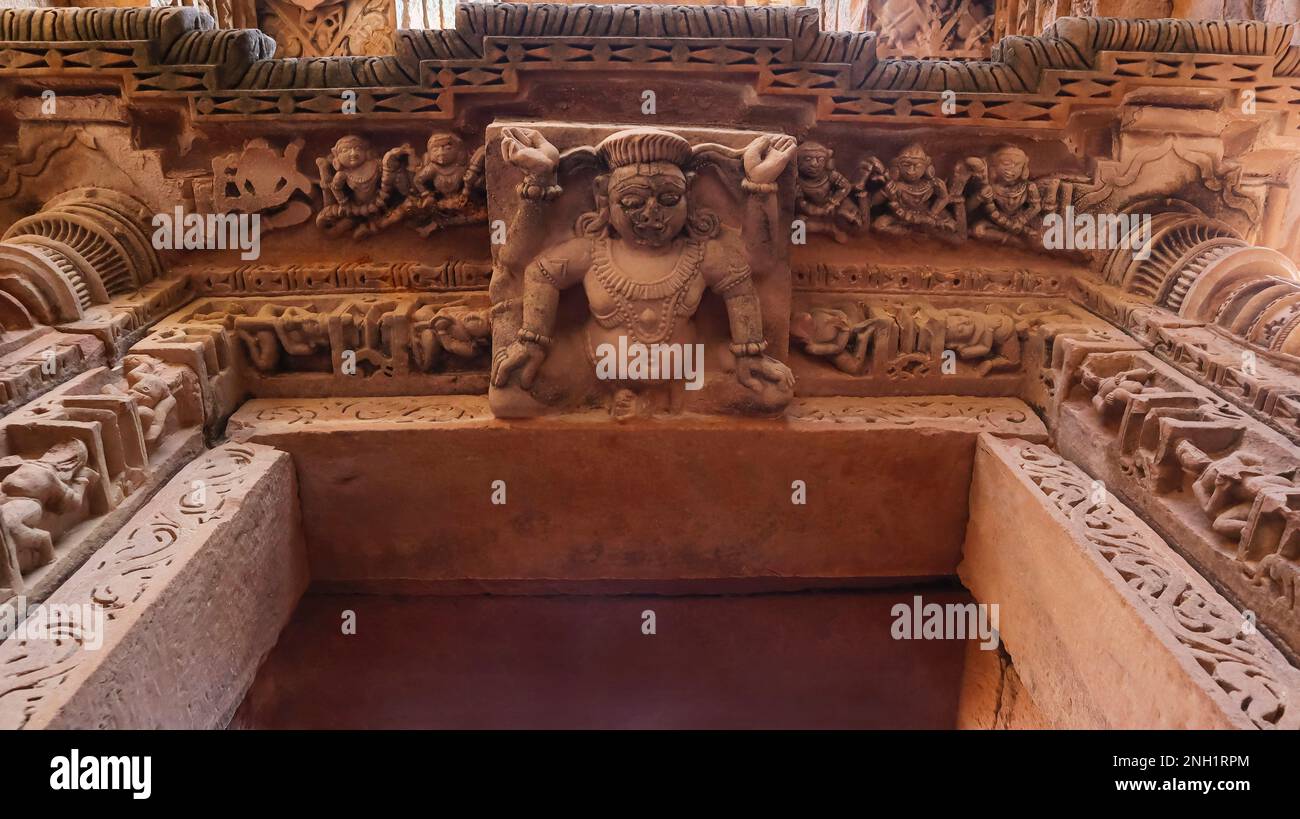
(276, 330)
(646, 254)
(447, 186)
(913, 197)
(155, 401)
(460, 330)
(831, 333)
(1113, 393)
(352, 183)
(1005, 205)
(990, 339)
(822, 196)
(1226, 487)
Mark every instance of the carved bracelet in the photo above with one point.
(527, 336)
(758, 187)
(535, 189)
(749, 348)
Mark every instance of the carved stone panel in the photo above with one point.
(617, 238)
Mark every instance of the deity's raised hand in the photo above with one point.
(528, 151)
(766, 157)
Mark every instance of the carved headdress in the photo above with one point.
(646, 146)
(642, 146)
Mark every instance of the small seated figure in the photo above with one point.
(913, 198)
(42, 498)
(357, 187)
(822, 193)
(1005, 206)
(447, 187)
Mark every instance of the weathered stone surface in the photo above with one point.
(1107, 626)
(194, 590)
(993, 696)
(827, 221)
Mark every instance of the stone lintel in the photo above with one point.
(1107, 626)
(400, 491)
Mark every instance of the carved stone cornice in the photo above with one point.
(1033, 83)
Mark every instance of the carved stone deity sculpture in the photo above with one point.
(446, 186)
(823, 195)
(644, 257)
(914, 198)
(1005, 205)
(351, 180)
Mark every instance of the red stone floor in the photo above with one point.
(821, 659)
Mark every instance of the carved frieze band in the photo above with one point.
(356, 277)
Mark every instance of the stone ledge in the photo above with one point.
(194, 592)
(1107, 626)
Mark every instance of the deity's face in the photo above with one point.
(647, 203)
(350, 153)
(1010, 165)
(812, 163)
(911, 167)
(444, 149)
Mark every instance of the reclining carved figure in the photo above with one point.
(42, 498)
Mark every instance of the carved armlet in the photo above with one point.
(733, 284)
